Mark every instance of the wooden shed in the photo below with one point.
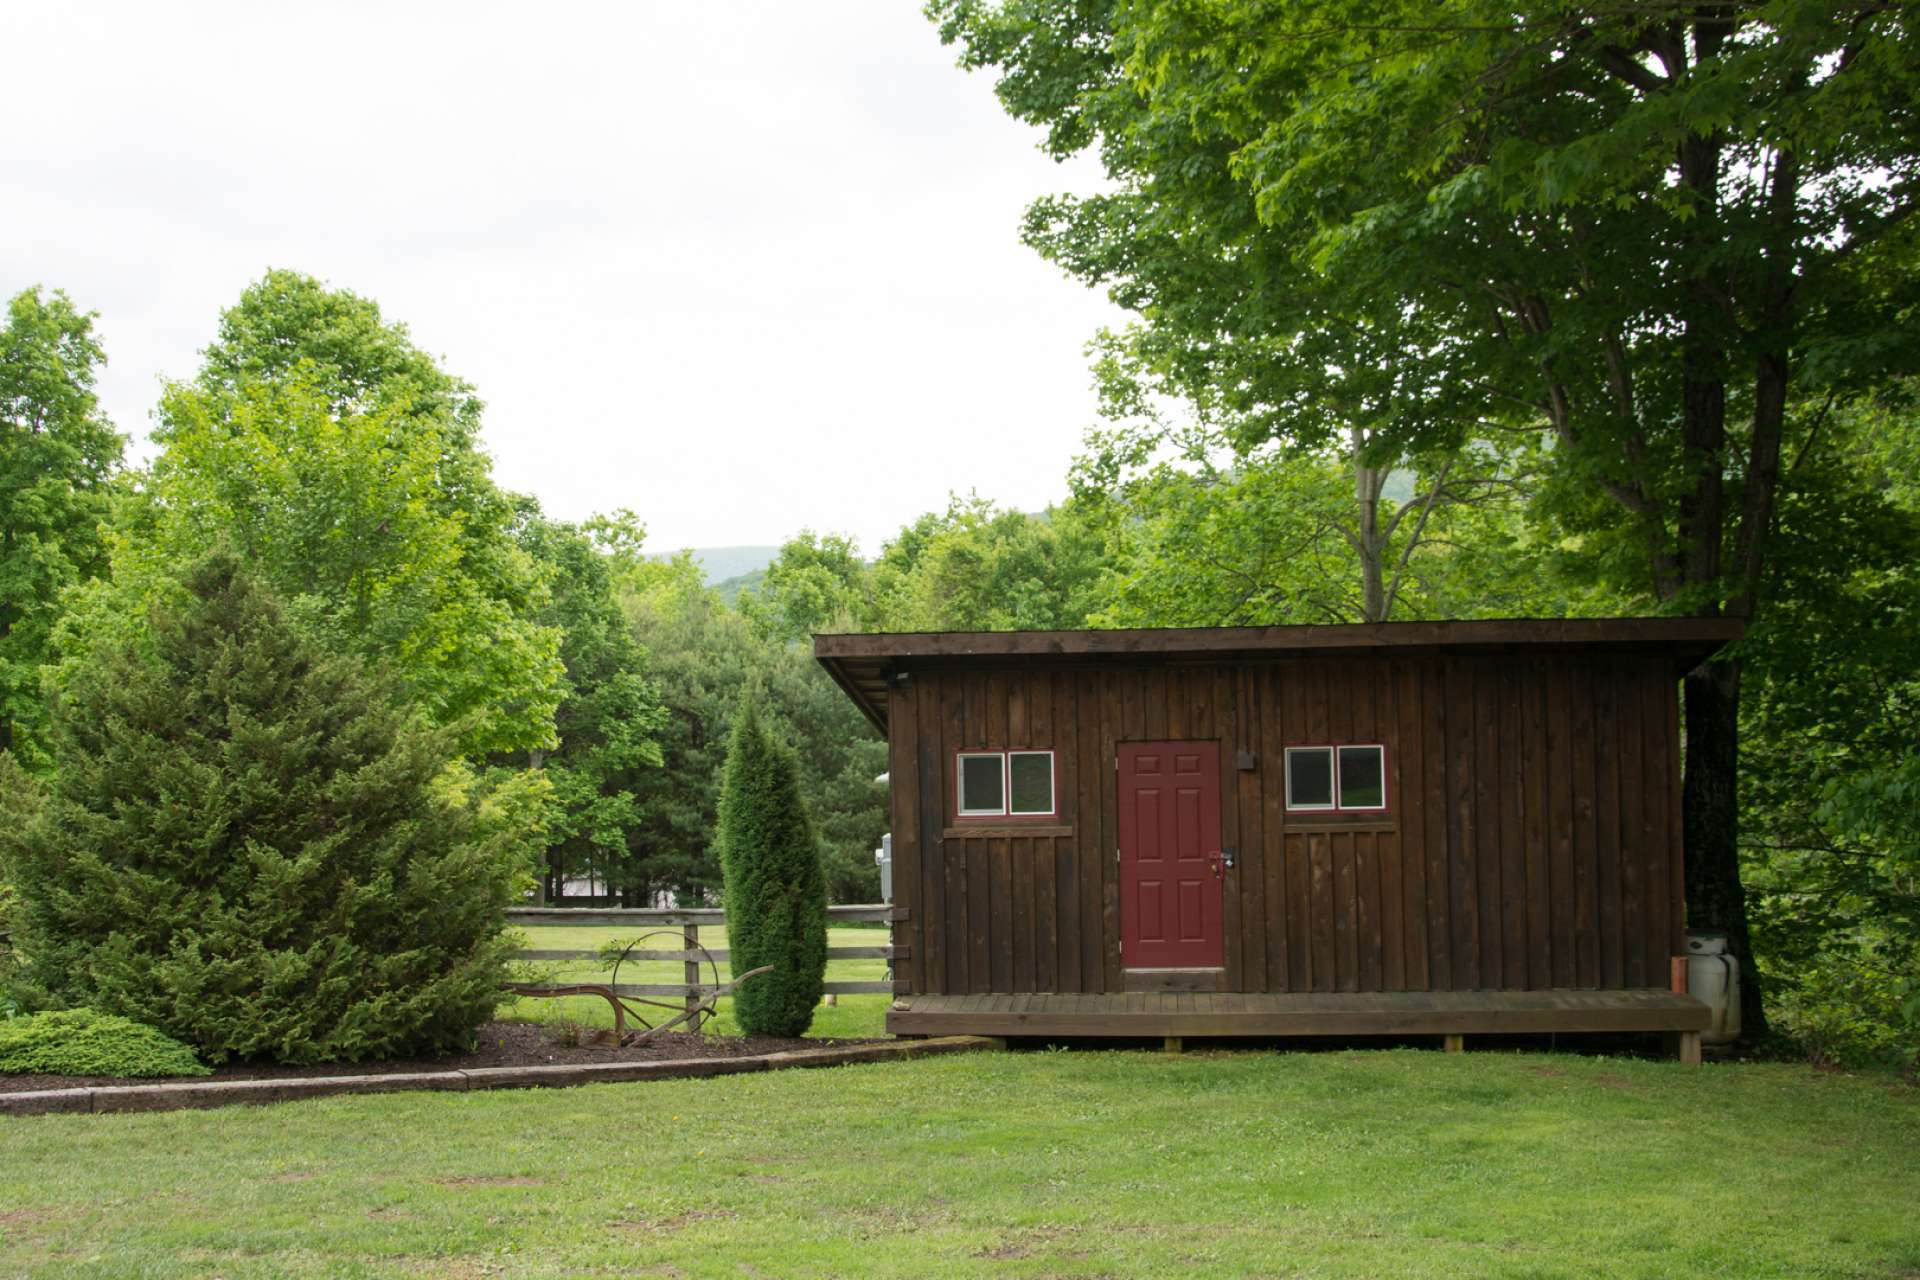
(1401, 828)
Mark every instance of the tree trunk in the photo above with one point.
(1368, 544)
(1711, 818)
(537, 759)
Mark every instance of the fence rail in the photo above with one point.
(689, 920)
(859, 913)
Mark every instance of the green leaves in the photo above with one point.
(776, 898)
(976, 567)
(340, 462)
(254, 846)
(349, 516)
(609, 716)
(81, 1042)
(58, 456)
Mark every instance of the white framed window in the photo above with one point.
(1337, 777)
(1030, 783)
(1363, 776)
(1004, 784)
(1310, 778)
(982, 784)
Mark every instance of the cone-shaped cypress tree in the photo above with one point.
(776, 894)
(250, 844)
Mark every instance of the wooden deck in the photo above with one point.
(1202, 1013)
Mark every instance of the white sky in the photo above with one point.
(743, 267)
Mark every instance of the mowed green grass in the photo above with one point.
(1085, 1163)
(849, 1016)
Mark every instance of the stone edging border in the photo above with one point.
(102, 1099)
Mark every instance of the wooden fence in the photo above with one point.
(689, 920)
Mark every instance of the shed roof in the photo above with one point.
(863, 664)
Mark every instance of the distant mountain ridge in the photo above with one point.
(730, 589)
(729, 568)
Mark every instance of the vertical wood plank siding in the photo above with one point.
(1531, 841)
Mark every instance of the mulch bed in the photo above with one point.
(499, 1044)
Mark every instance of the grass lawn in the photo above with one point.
(851, 1016)
(1085, 1163)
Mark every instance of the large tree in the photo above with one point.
(1653, 228)
(255, 845)
(58, 453)
(700, 652)
(819, 583)
(1830, 788)
(1212, 537)
(979, 567)
(609, 714)
(337, 458)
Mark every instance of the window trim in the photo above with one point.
(960, 759)
(1053, 783)
(1333, 777)
(1334, 748)
(1006, 812)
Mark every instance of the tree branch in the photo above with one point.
(1413, 539)
(1619, 63)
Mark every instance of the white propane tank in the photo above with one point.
(1713, 978)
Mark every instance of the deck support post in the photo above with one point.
(1454, 1043)
(1686, 1047)
(1173, 1044)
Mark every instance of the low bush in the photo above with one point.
(81, 1042)
(1854, 1009)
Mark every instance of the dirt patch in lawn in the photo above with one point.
(1022, 1245)
(654, 1226)
(499, 1044)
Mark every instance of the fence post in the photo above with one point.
(691, 934)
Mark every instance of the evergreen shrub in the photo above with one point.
(82, 1042)
(776, 895)
(255, 845)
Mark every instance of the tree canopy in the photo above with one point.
(58, 454)
(609, 716)
(366, 504)
(1654, 230)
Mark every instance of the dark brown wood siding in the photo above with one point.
(1531, 839)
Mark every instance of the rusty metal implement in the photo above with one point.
(696, 1000)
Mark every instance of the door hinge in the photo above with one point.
(1116, 855)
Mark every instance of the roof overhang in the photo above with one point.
(865, 665)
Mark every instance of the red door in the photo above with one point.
(1170, 863)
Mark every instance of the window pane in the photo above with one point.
(1362, 777)
(1032, 781)
(982, 788)
(1310, 777)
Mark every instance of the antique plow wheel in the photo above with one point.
(699, 1001)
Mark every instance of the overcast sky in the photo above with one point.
(744, 268)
